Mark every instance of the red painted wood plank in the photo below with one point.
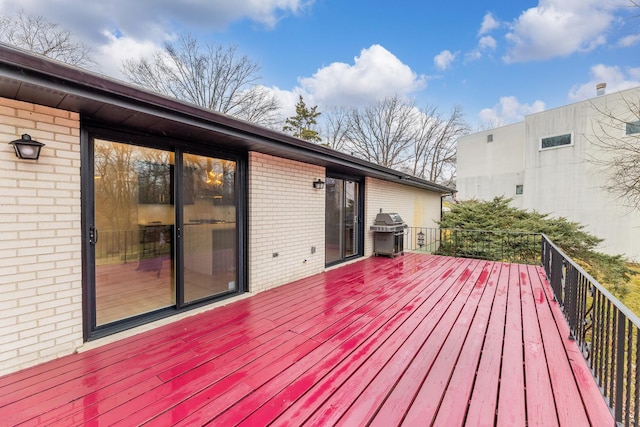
(393, 334)
(55, 394)
(597, 410)
(484, 398)
(511, 400)
(395, 406)
(443, 360)
(569, 405)
(541, 408)
(257, 379)
(453, 408)
(271, 407)
(287, 387)
(352, 324)
(204, 406)
(161, 398)
(406, 342)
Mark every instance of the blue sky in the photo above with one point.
(498, 60)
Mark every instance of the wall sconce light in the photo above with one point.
(318, 184)
(27, 148)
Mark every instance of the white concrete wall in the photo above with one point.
(562, 181)
(570, 183)
(40, 248)
(489, 169)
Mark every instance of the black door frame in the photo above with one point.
(89, 132)
(360, 217)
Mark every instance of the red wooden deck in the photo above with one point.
(415, 340)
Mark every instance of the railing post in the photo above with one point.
(621, 321)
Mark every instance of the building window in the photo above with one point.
(556, 141)
(633, 128)
(519, 189)
(490, 137)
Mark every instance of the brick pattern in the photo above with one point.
(286, 217)
(417, 207)
(40, 247)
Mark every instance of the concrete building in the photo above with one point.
(548, 163)
(142, 209)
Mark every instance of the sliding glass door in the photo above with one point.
(343, 227)
(162, 233)
(209, 212)
(133, 230)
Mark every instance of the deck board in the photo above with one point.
(414, 340)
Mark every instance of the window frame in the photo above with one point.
(632, 125)
(570, 144)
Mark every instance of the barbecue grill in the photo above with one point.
(389, 234)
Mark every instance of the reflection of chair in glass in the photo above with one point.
(155, 247)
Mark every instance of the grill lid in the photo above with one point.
(388, 222)
(388, 219)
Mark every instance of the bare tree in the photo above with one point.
(395, 133)
(335, 128)
(383, 132)
(616, 139)
(434, 147)
(36, 34)
(211, 76)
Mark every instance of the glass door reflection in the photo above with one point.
(342, 225)
(210, 238)
(134, 219)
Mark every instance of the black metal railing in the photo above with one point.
(506, 246)
(605, 330)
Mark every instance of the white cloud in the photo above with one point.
(508, 110)
(629, 40)
(616, 79)
(558, 28)
(484, 44)
(444, 59)
(119, 49)
(489, 23)
(374, 74)
(487, 42)
(140, 24)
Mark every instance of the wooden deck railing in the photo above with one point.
(607, 332)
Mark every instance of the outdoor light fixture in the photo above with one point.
(318, 184)
(27, 148)
(420, 239)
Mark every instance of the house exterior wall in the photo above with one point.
(40, 247)
(488, 169)
(561, 181)
(286, 217)
(41, 286)
(417, 207)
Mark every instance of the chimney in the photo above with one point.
(600, 89)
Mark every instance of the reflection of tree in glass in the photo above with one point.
(116, 185)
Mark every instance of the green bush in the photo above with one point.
(498, 215)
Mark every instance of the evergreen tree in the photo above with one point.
(499, 215)
(301, 125)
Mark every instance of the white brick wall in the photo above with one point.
(40, 251)
(417, 207)
(286, 216)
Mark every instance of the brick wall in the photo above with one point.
(40, 251)
(417, 207)
(286, 217)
